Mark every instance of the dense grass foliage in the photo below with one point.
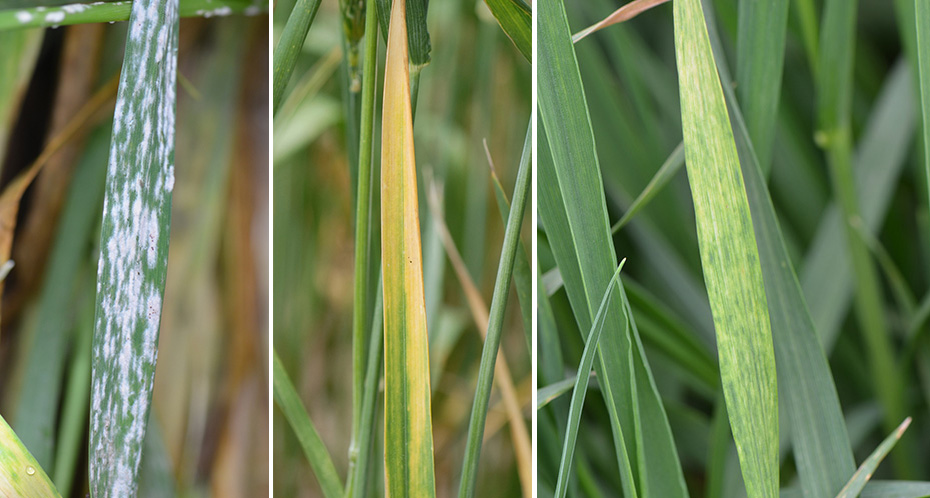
(801, 207)
(192, 150)
(396, 248)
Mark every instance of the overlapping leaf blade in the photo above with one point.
(573, 210)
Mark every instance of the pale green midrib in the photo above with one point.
(52, 330)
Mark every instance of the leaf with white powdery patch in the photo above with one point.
(133, 249)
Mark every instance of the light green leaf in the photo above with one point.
(729, 256)
(20, 474)
(287, 399)
(580, 390)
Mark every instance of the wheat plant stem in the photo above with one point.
(835, 93)
(868, 299)
(360, 310)
(357, 478)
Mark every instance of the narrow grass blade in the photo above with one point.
(822, 446)
(96, 12)
(521, 266)
(286, 397)
(581, 388)
(666, 172)
(408, 438)
(480, 315)
(572, 207)
(492, 341)
(20, 474)
(545, 395)
(865, 471)
(759, 61)
(922, 13)
(729, 256)
(288, 47)
(133, 249)
(515, 19)
(625, 13)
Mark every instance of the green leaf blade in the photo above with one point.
(288, 47)
(579, 391)
(729, 256)
(516, 20)
(20, 474)
(134, 249)
(288, 400)
(572, 207)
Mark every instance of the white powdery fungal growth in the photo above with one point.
(55, 17)
(23, 16)
(134, 248)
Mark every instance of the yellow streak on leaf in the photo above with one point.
(408, 429)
